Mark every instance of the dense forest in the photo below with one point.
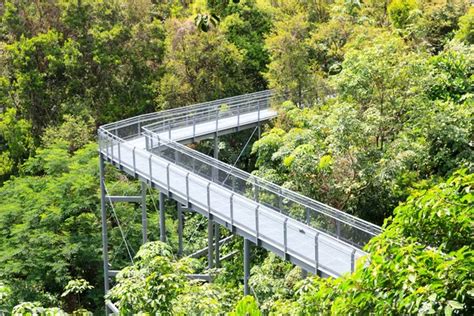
(376, 118)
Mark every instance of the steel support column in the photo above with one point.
(105, 241)
(215, 177)
(162, 218)
(246, 266)
(217, 237)
(210, 241)
(144, 215)
(180, 229)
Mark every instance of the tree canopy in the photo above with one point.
(375, 103)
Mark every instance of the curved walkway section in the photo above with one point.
(310, 234)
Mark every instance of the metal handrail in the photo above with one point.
(338, 245)
(173, 119)
(158, 128)
(145, 119)
(265, 186)
(205, 111)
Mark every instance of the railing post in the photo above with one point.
(353, 260)
(168, 178)
(258, 109)
(238, 117)
(256, 223)
(159, 144)
(119, 156)
(187, 188)
(151, 170)
(285, 236)
(209, 199)
(194, 127)
(112, 150)
(256, 191)
(134, 162)
(169, 131)
(308, 217)
(316, 253)
(338, 229)
(217, 119)
(280, 201)
(107, 146)
(232, 209)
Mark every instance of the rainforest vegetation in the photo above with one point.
(376, 118)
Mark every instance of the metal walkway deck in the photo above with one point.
(310, 234)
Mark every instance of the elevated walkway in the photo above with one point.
(308, 233)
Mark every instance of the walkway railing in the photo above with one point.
(338, 224)
(131, 128)
(298, 221)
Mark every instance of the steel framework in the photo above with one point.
(150, 147)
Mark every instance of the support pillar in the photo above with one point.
(210, 250)
(215, 176)
(180, 229)
(144, 215)
(217, 237)
(246, 266)
(215, 171)
(105, 241)
(162, 218)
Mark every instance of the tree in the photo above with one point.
(404, 276)
(152, 283)
(401, 11)
(16, 142)
(466, 27)
(199, 66)
(246, 26)
(289, 71)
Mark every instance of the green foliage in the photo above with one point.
(38, 66)
(152, 283)
(199, 66)
(16, 142)
(75, 131)
(437, 23)
(453, 74)
(289, 70)
(246, 27)
(49, 230)
(74, 289)
(398, 117)
(439, 216)
(198, 298)
(380, 97)
(246, 307)
(403, 275)
(466, 27)
(81, 57)
(274, 279)
(400, 12)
